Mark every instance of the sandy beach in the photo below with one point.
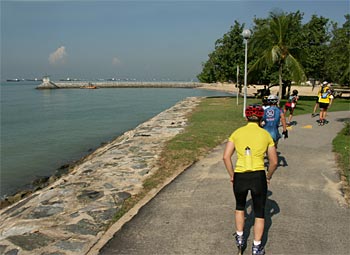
(230, 87)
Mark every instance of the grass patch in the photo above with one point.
(209, 125)
(341, 145)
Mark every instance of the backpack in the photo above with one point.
(292, 99)
(324, 93)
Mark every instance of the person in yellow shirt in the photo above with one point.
(323, 85)
(251, 143)
(325, 100)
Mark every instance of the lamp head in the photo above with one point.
(246, 34)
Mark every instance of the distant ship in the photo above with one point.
(12, 80)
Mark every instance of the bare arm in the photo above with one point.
(229, 150)
(283, 120)
(273, 161)
(330, 101)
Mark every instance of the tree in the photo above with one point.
(338, 53)
(315, 40)
(275, 38)
(222, 63)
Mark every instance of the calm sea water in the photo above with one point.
(42, 130)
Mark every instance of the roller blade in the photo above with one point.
(240, 250)
(240, 243)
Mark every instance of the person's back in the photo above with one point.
(292, 99)
(255, 138)
(325, 95)
(272, 118)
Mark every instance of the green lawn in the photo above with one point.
(341, 145)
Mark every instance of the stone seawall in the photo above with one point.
(70, 215)
(74, 85)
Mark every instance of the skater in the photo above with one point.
(325, 101)
(252, 143)
(290, 105)
(273, 116)
(314, 114)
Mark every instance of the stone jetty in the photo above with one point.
(47, 84)
(70, 215)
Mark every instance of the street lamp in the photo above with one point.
(246, 35)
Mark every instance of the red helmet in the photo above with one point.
(254, 111)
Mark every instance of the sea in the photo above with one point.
(42, 130)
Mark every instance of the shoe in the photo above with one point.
(240, 241)
(258, 249)
(313, 115)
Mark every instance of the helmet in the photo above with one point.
(295, 92)
(272, 99)
(324, 83)
(254, 112)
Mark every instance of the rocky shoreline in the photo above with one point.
(74, 211)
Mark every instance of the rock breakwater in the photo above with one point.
(70, 215)
(73, 85)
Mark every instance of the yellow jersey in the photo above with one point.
(258, 140)
(325, 95)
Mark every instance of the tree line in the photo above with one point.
(282, 49)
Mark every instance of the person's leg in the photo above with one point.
(325, 113)
(315, 108)
(240, 190)
(322, 114)
(259, 225)
(291, 115)
(239, 219)
(259, 194)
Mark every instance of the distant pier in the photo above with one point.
(47, 84)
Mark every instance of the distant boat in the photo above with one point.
(89, 86)
(13, 80)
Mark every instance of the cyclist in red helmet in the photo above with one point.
(251, 143)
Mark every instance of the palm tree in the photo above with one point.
(275, 39)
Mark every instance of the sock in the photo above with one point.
(257, 242)
(239, 233)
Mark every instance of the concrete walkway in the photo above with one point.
(194, 214)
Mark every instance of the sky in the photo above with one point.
(143, 40)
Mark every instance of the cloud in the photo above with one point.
(58, 56)
(116, 61)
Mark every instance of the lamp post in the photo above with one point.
(246, 35)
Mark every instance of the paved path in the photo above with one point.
(194, 214)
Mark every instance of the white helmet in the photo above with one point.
(272, 99)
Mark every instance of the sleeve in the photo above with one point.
(232, 137)
(270, 141)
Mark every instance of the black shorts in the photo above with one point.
(256, 183)
(323, 105)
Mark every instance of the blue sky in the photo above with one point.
(128, 39)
